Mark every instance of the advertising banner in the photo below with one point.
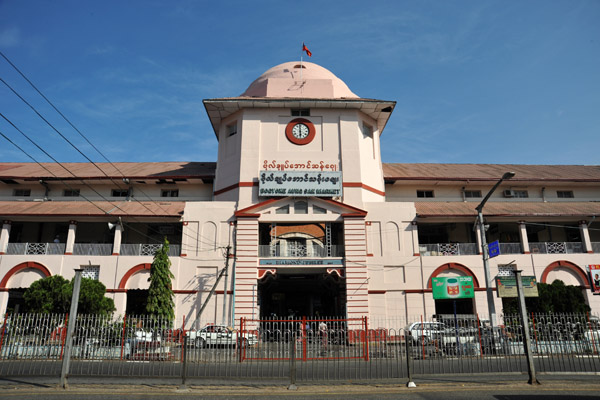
(300, 183)
(459, 287)
(594, 271)
(507, 286)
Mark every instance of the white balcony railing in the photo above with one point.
(35, 248)
(300, 251)
(141, 249)
(556, 247)
(448, 249)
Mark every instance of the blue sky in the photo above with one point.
(475, 81)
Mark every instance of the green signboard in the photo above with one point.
(459, 287)
(507, 286)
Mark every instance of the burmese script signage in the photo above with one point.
(300, 183)
(284, 261)
(507, 286)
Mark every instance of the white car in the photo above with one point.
(427, 332)
(220, 335)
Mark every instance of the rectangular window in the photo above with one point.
(301, 112)
(424, 193)
(301, 207)
(319, 210)
(367, 131)
(119, 193)
(564, 194)
(232, 129)
(469, 194)
(169, 193)
(283, 210)
(22, 192)
(520, 194)
(71, 193)
(90, 271)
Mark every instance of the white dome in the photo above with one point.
(291, 81)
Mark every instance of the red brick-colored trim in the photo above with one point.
(22, 266)
(363, 186)
(301, 142)
(453, 266)
(115, 254)
(129, 274)
(116, 290)
(234, 186)
(68, 253)
(567, 265)
(377, 291)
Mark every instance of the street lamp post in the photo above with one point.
(484, 250)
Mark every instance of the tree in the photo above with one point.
(53, 295)
(554, 298)
(160, 293)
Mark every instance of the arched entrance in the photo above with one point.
(446, 306)
(18, 279)
(136, 277)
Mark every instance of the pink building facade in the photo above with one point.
(316, 224)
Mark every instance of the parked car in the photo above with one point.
(220, 335)
(426, 332)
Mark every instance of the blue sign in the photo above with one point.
(494, 249)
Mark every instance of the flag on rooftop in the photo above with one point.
(304, 48)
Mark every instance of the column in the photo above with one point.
(71, 237)
(245, 268)
(524, 239)
(585, 237)
(117, 240)
(415, 238)
(357, 279)
(4, 236)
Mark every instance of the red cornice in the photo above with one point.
(363, 186)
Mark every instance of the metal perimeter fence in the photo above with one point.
(302, 349)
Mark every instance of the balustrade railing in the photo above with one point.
(142, 249)
(556, 247)
(510, 248)
(448, 249)
(92, 249)
(35, 248)
(301, 251)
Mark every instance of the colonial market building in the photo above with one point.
(316, 224)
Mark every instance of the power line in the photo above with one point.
(76, 129)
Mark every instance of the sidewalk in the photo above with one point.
(11, 387)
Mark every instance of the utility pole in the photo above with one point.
(212, 291)
(66, 361)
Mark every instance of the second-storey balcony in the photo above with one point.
(36, 248)
(301, 240)
(556, 247)
(142, 249)
(299, 251)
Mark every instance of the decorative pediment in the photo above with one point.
(288, 207)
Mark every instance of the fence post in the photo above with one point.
(70, 328)
(241, 346)
(3, 330)
(366, 347)
(123, 335)
(304, 341)
(410, 382)
(183, 363)
(292, 385)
